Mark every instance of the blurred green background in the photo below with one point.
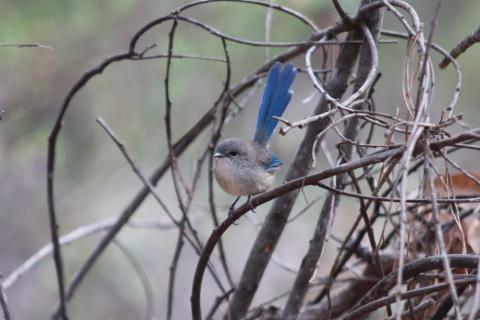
(94, 182)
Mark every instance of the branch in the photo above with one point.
(368, 303)
(460, 48)
(344, 299)
(75, 235)
(28, 45)
(438, 227)
(4, 304)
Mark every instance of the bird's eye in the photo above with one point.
(233, 153)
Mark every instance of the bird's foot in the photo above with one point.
(231, 210)
(251, 204)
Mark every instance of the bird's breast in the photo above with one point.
(242, 179)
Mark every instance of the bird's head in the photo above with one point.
(233, 149)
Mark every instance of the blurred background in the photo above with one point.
(93, 180)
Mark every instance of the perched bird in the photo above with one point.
(246, 168)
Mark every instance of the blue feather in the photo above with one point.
(274, 163)
(268, 91)
(276, 97)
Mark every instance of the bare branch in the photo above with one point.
(466, 43)
(3, 303)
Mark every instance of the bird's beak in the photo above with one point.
(218, 155)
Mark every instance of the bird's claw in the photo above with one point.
(251, 204)
(231, 210)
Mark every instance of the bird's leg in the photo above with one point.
(251, 204)
(232, 207)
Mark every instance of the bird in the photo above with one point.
(248, 167)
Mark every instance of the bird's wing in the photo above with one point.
(267, 159)
(274, 163)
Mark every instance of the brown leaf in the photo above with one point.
(461, 184)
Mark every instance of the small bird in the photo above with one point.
(246, 168)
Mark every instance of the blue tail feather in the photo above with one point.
(268, 92)
(276, 97)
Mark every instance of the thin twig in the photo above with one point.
(339, 9)
(4, 304)
(147, 287)
(476, 297)
(28, 45)
(410, 270)
(460, 48)
(216, 131)
(173, 270)
(438, 227)
(75, 235)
